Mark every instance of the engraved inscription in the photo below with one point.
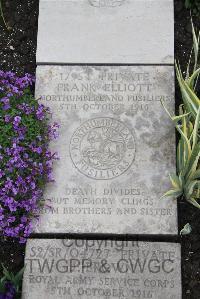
(106, 3)
(102, 148)
(114, 162)
(101, 269)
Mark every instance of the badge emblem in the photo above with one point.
(102, 148)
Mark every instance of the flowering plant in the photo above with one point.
(10, 284)
(25, 161)
(8, 292)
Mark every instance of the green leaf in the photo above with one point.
(189, 99)
(194, 202)
(190, 128)
(2, 284)
(6, 273)
(187, 4)
(186, 230)
(195, 175)
(192, 95)
(189, 105)
(175, 181)
(2, 16)
(174, 193)
(18, 277)
(193, 77)
(196, 128)
(175, 118)
(189, 189)
(180, 164)
(195, 45)
(186, 143)
(191, 166)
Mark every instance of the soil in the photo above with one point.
(17, 53)
(18, 45)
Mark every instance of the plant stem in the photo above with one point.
(2, 15)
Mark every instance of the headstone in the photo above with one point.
(106, 31)
(101, 269)
(116, 148)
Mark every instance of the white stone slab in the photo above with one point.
(80, 269)
(106, 31)
(116, 147)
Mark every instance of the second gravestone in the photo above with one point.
(116, 149)
(103, 269)
(105, 31)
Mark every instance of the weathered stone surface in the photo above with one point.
(106, 31)
(100, 269)
(116, 148)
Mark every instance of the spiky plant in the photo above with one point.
(187, 180)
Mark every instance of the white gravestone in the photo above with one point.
(116, 148)
(106, 31)
(102, 269)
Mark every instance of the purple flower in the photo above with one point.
(15, 89)
(25, 161)
(6, 103)
(40, 113)
(7, 118)
(38, 150)
(1, 173)
(16, 122)
(53, 131)
(8, 184)
(24, 219)
(26, 108)
(11, 219)
(10, 291)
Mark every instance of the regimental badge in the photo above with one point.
(102, 148)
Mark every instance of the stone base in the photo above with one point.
(84, 269)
